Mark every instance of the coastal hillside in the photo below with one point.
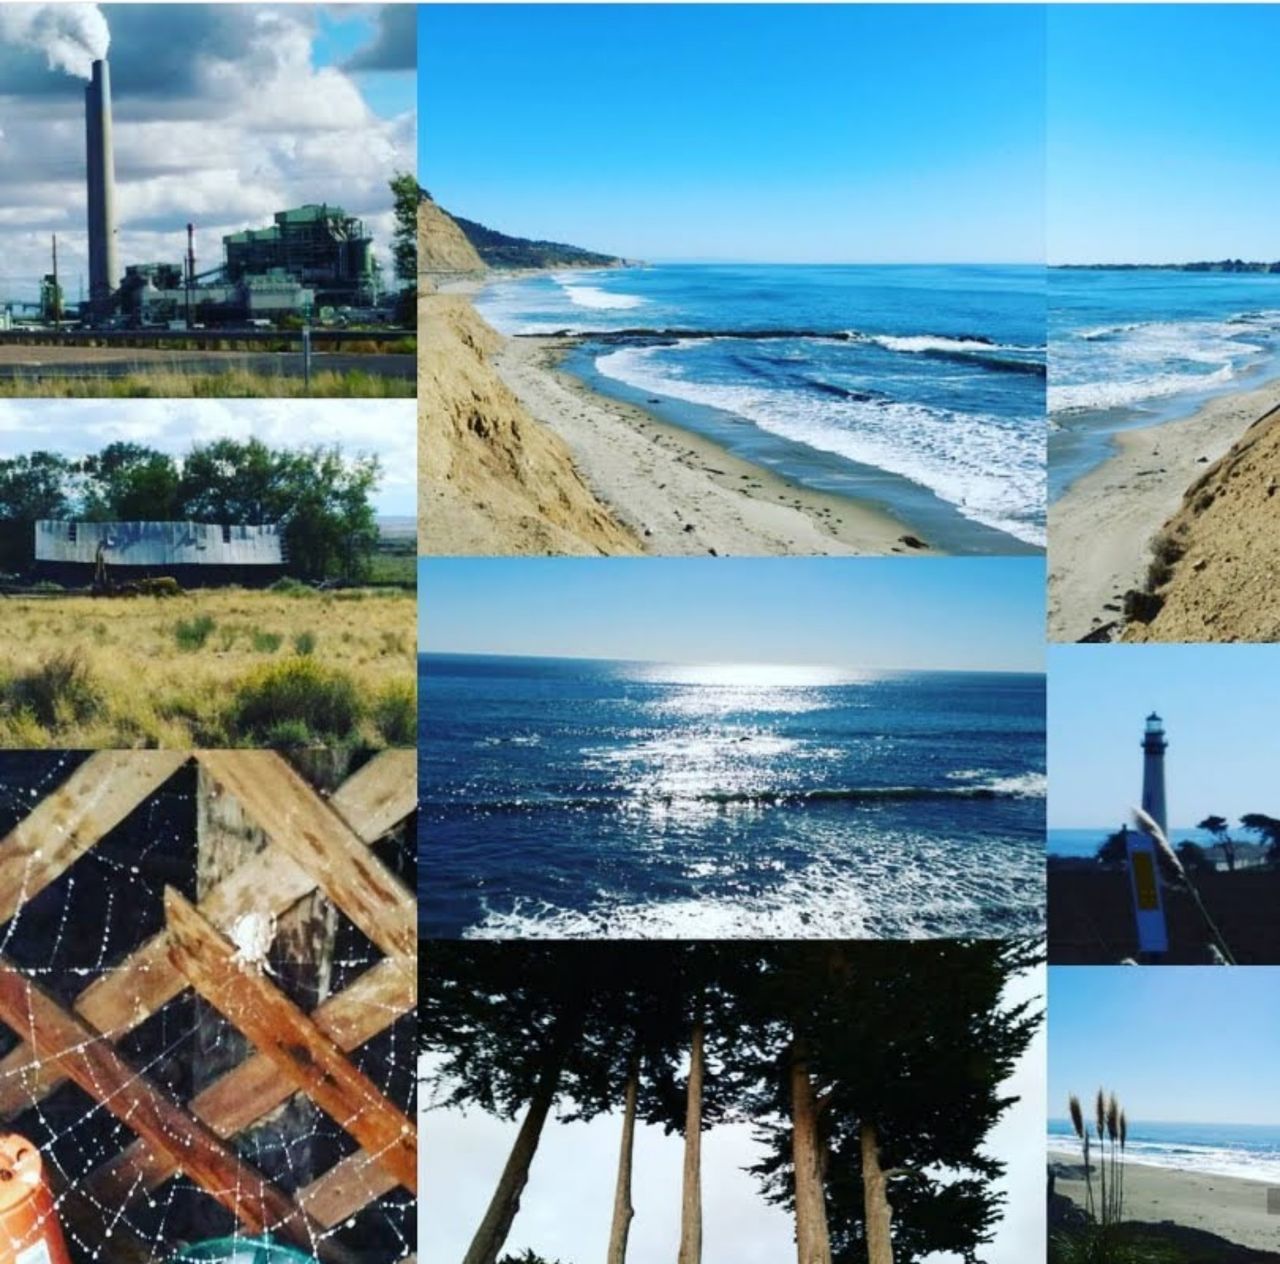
(492, 480)
(499, 250)
(444, 248)
(1217, 560)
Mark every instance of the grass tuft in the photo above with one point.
(298, 702)
(61, 691)
(191, 634)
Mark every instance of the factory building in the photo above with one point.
(322, 246)
(193, 553)
(315, 262)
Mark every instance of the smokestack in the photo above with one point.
(104, 270)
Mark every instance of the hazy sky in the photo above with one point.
(386, 428)
(778, 133)
(565, 1209)
(1156, 1038)
(224, 114)
(1219, 704)
(948, 613)
(1162, 123)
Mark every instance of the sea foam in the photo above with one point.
(992, 472)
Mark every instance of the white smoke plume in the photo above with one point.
(71, 36)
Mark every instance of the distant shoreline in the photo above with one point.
(1220, 268)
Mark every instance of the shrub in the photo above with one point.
(266, 642)
(305, 643)
(297, 698)
(47, 586)
(395, 712)
(191, 634)
(290, 587)
(61, 691)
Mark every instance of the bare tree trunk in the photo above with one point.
(622, 1208)
(691, 1201)
(492, 1233)
(878, 1212)
(813, 1246)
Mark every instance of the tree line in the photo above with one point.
(319, 498)
(872, 1073)
(1265, 830)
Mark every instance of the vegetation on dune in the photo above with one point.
(499, 250)
(218, 668)
(162, 382)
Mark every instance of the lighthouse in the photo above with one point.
(1144, 870)
(1153, 749)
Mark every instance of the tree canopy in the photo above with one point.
(914, 1041)
(319, 498)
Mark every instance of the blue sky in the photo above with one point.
(342, 34)
(1219, 704)
(962, 613)
(793, 133)
(1162, 123)
(1157, 1039)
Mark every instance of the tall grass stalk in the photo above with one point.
(1148, 826)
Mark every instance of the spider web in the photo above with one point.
(85, 925)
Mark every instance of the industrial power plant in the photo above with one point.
(314, 263)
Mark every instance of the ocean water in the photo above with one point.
(1085, 842)
(918, 388)
(567, 797)
(1130, 348)
(1247, 1151)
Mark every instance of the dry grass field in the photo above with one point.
(211, 668)
(231, 383)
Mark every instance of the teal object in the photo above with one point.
(241, 1251)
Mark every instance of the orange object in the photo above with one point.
(29, 1228)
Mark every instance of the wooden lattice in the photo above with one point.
(315, 843)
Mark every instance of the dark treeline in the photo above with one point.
(872, 1072)
(319, 497)
(1265, 843)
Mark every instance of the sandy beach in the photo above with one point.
(1100, 530)
(1231, 1208)
(676, 492)
(680, 492)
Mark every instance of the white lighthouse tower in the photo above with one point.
(1153, 749)
(1144, 869)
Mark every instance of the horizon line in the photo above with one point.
(723, 662)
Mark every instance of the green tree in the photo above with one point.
(320, 499)
(127, 482)
(1217, 826)
(407, 196)
(879, 1088)
(1114, 850)
(1267, 828)
(32, 487)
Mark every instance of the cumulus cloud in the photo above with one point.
(223, 117)
(395, 46)
(74, 428)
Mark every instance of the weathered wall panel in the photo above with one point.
(159, 543)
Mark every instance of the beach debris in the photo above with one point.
(913, 542)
